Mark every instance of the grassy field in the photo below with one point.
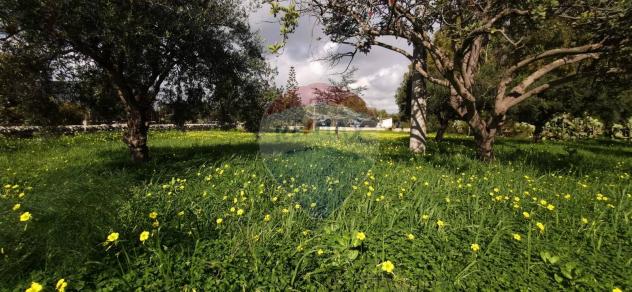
(223, 211)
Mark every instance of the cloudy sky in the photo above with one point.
(381, 71)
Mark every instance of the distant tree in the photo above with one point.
(341, 94)
(26, 89)
(96, 95)
(289, 98)
(186, 99)
(292, 84)
(137, 44)
(403, 96)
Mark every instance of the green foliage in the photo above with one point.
(288, 21)
(565, 127)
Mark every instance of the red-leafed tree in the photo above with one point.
(342, 94)
(288, 99)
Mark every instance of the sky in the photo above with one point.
(380, 71)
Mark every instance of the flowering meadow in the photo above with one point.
(231, 211)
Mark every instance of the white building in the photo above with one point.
(386, 123)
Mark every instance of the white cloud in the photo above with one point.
(381, 70)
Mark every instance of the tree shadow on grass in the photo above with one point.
(577, 157)
(77, 205)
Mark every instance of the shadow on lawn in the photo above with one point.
(310, 165)
(578, 157)
(76, 206)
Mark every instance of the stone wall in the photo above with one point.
(29, 131)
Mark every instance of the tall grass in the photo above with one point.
(292, 207)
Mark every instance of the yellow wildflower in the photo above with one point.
(425, 217)
(114, 236)
(517, 237)
(550, 207)
(360, 236)
(16, 207)
(475, 247)
(540, 226)
(61, 285)
(240, 212)
(219, 221)
(526, 215)
(440, 224)
(320, 252)
(584, 220)
(144, 236)
(35, 287)
(153, 215)
(387, 266)
(410, 236)
(616, 289)
(26, 216)
(267, 218)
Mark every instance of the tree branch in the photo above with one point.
(517, 96)
(507, 76)
(393, 48)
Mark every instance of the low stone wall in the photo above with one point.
(351, 129)
(29, 131)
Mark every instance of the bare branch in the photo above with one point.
(519, 93)
(535, 76)
(508, 74)
(394, 49)
(435, 80)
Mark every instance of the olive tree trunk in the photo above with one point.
(136, 133)
(537, 133)
(484, 145)
(443, 127)
(418, 105)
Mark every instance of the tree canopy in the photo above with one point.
(473, 32)
(138, 45)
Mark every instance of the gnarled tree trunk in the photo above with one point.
(136, 134)
(484, 145)
(443, 127)
(537, 134)
(607, 129)
(418, 132)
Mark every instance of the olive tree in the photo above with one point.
(137, 44)
(472, 29)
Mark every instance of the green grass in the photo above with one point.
(319, 193)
